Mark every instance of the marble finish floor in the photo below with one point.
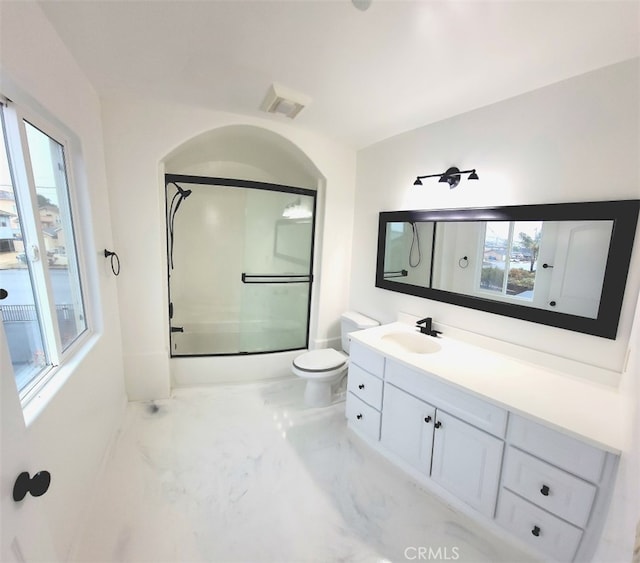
(246, 473)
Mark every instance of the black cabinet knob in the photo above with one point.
(36, 485)
(552, 303)
(438, 424)
(427, 419)
(544, 491)
(3, 293)
(535, 531)
(361, 386)
(358, 416)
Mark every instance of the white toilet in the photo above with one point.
(324, 369)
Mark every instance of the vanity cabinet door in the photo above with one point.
(407, 427)
(466, 462)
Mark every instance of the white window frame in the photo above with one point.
(15, 116)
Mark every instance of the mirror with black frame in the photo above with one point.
(563, 265)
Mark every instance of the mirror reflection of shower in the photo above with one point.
(240, 257)
(180, 195)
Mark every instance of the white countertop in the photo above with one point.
(590, 411)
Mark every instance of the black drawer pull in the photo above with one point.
(438, 424)
(358, 416)
(544, 491)
(427, 419)
(535, 531)
(361, 386)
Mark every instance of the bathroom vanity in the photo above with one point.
(503, 440)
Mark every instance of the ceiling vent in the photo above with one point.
(285, 101)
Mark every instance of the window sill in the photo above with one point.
(55, 379)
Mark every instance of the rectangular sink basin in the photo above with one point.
(412, 342)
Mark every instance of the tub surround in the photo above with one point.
(521, 447)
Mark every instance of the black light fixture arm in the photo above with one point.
(451, 176)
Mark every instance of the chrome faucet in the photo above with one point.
(427, 328)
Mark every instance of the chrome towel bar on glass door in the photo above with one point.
(276, 278)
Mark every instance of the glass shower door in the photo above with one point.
(277, 274)
(240, 266)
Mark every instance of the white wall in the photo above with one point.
(70, 430)
(139, 135)
(619, 534)
(577, 140)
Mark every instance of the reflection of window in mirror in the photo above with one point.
(508, 258)
(553, 265)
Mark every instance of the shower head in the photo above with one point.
(183, 193)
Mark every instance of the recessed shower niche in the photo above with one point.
(239, 252)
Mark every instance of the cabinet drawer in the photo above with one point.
(366, 358)
(556, 448)
(363, 417)
(555, 537)
(551, 488)
(365, 386)
(465, 406)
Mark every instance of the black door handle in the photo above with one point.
(545, 490)
(3, 293)
(37, 485)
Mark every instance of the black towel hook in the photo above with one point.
(115, 261)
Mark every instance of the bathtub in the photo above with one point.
(231, 352)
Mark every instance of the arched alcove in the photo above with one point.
(214, 241)
(244, 152)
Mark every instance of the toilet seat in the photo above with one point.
(320, 363)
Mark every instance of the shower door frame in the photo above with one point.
(246, 184)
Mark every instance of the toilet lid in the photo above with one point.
(320, 360)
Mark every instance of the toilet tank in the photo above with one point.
(352, 321)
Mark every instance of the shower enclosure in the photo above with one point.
(240, 259)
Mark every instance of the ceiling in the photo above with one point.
(370, 74)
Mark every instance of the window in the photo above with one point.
(509, 255)
(43, 313)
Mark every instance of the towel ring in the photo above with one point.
(463, 262)
(115, 261)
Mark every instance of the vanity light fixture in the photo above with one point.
(451, 176)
